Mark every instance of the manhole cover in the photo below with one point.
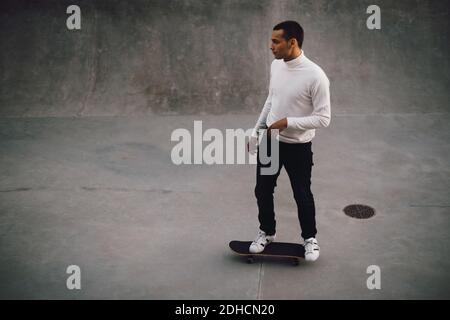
(359, 211)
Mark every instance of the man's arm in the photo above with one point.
(261, 123)
(321, 115)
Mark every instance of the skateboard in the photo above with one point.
(287, 250)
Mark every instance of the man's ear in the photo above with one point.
(294, 41)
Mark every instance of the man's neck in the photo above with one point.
(294, 56)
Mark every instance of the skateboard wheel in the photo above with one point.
(295, 262)
(250, 260)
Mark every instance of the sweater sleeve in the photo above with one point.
(321, 115)
(261, 123)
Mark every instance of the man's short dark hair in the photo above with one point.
(291, 29)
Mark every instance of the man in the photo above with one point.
(297, 104)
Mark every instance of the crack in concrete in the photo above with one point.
(126, 189)
(261, 274)
(86, 188)
(429, 205)
(92, 78)
(16, 189)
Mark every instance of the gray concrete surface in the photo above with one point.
(193, 56)
(103, 194)
(86, 176)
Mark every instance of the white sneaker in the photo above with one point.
(311, 249)
(261, 241)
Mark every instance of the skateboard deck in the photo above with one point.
(294, 251)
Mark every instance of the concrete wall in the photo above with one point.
(213, 57)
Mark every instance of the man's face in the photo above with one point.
(280, 47)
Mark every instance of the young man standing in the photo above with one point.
(297, 104)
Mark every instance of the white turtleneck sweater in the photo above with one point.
(299, 90)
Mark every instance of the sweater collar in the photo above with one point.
(295, 62)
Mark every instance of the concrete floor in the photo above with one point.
(86, 176)
(103, 194)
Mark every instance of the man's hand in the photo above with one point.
(280, 125)
(252, 145)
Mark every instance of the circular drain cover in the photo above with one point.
(359, 211)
